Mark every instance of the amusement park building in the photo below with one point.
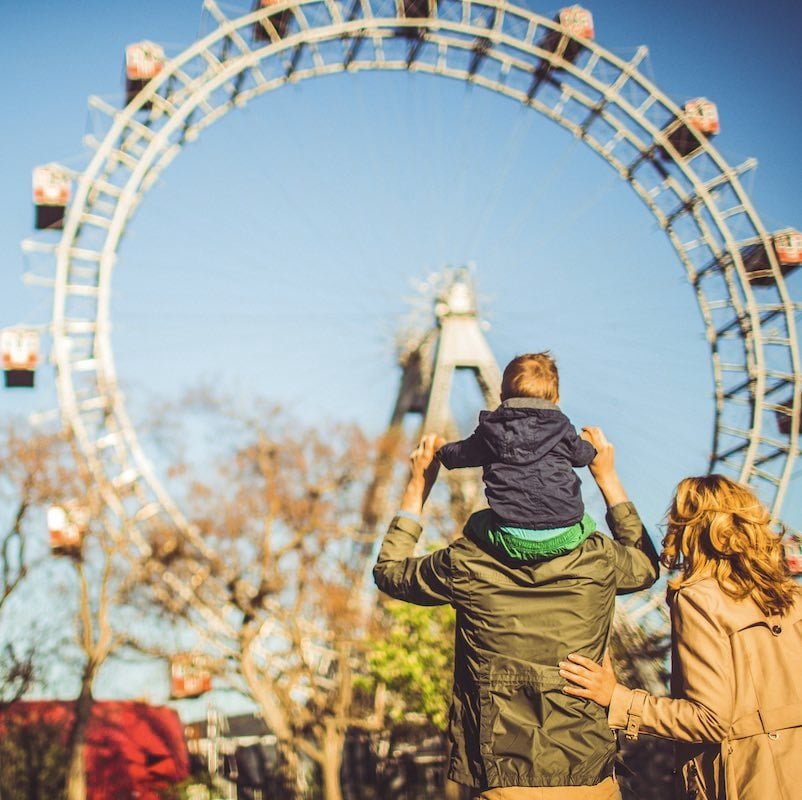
(132, 749)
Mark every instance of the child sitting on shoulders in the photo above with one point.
(527, 448)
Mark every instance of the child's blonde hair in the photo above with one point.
(531, 375)
(718, 528)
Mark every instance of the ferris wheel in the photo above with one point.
(662, 150)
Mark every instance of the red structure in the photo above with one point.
(702, 115)
(133, 749)
(788, 246)
(143, 61)
(793, 555)
(577, 21)
(66, 528)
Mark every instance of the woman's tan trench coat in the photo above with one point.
(736, 682)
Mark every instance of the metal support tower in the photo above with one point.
(460, 345)
(429, 363)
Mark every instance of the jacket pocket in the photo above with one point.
(530, 731)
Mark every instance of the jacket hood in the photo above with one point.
(522, 430)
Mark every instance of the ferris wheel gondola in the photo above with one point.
(143, 62)
(278, 22)
(51, 194)
(19, 348)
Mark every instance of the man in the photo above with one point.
(515, 735)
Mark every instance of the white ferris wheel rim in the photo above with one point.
(185, 98)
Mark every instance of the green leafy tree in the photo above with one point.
(413, 656)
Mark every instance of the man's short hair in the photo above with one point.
(531, 375)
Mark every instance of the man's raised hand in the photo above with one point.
(423, 468)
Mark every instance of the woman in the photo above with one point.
(736, 618)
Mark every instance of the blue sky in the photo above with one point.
(276, 253)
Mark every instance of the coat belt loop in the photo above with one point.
(634, 713)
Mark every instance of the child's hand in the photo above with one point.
(439, 441)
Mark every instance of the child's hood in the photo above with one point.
(523, 429)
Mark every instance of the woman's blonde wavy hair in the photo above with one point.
(718, 528)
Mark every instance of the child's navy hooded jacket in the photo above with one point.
(527, 447)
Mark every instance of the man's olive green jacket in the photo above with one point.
(510, 723)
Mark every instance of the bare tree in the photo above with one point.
(280, 512)
(38, 471)
(97, 641)
(32, 474)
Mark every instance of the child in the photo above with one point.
(527, 448)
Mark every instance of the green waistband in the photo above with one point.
(525, 544)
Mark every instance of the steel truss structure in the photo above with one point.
(697, 199)
(429, 360)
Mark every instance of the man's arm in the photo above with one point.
(634, 556)
(425, 580)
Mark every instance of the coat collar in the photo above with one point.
(736, 615)
(529, 402)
